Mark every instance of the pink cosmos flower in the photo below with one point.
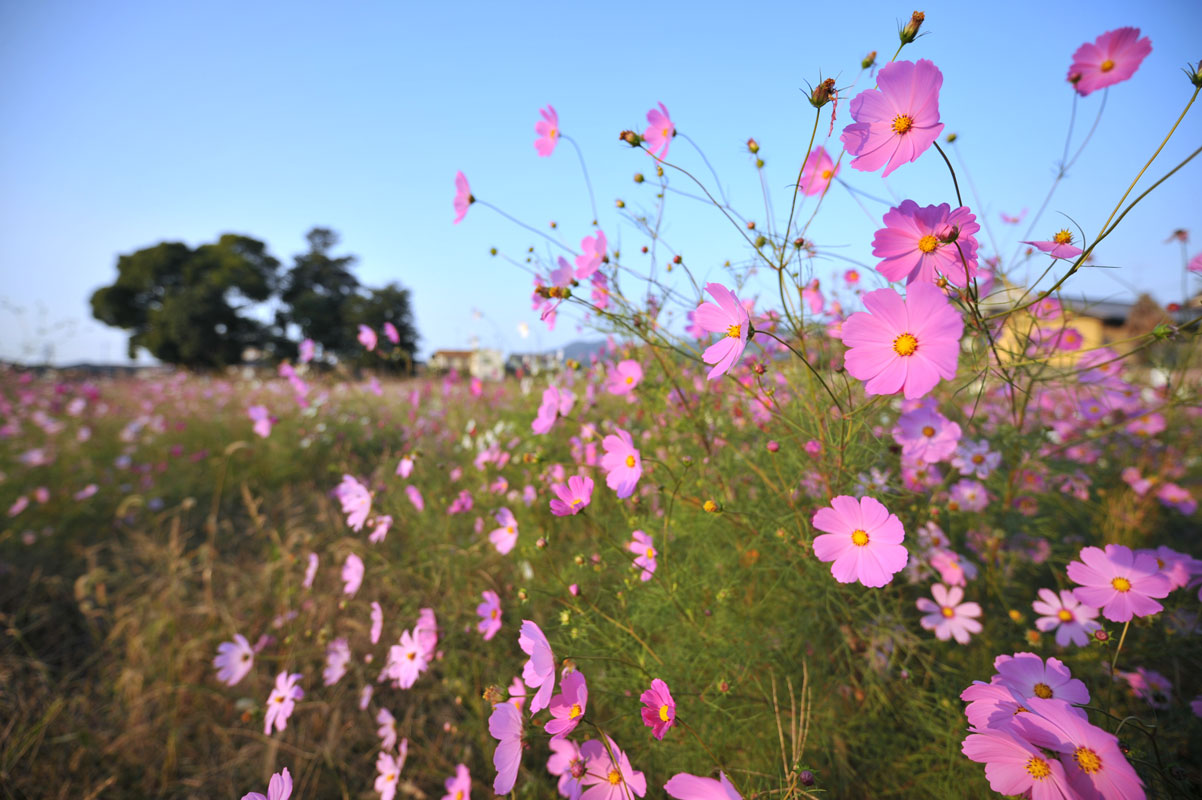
(591, 256)
(1060, 246)
(659, 709)
(609, 777)
(923, 243)
(392, 333)
(352, 575)
(1119, 582)
(642, 547)
(407, 660)
(278, 788)
(976, 458)
(338, 656)
(624, 376)
(926, 435)
(1072, 620)
(660, 131)
(1149, 685)
(1195, 264)
(367, 338)
(1016, 767)
(426, 632)
(539, 670)
(415, 497)
(903, 345)
(621, 462)
(459, 785)
(381, 528)
(463, 197)
(573, 498)
(389, 769)
(728, 317)
(490, 614)
(548, 131)
(377, 621)
(310, 571)
(947, 616)
(505, 537)
(1174, 496)
(262, 419)
(308, 349)
(356, 501)
(953, 569)
(967, 495)
(684, 786)
(1112, 58)
(404, 467)
(568, 764)
(505, 725)
(554, 404)
(234, 660)
(568, 706)
(282, 701)
(819, 171)
(1030, 676)
(387, 729)
(899, 121)
(862, 539)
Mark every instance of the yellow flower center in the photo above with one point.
(630, 461)
(390, 777)
(1107, 65)
(551, 134)
(411, 656)
(928, 243)
(1065, 615)
(859, 538)
(826, 174)
(1087, 760)
(629, 379)
(1037, 768)
(1121, 584)
(576, 501)
(663, 713)
(459, 795)
(574, 711)
(905, 345)
(978, 459)
(1062, 236)
(734, 331)
(928, 431)
(651, 552)
(614, 777)
(948, 612)
(665, 133)
(902, 123)
(1043, 690)
(509, 529)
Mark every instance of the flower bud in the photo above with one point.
(659, 171)
(760, 241)
(751, 225)
(773, 446)
(806, 778)
(753, 146)
(869, 60)
(910, 32)
(710, 506)
(759, 163)
(1194, 73)
(631, 138)
(492, 251)
(541, 543)
(822, 93)
(620, 204)
(676, 259)
(638, 177)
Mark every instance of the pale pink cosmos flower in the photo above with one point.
(234, 660)
(548, 410)
(377, 621)
(568, 764)
(729, 318)
(643, 547)
(310, 571)
(415, 497)
(976, 458)
(684, 786)
(426, 632)
(819, 171)
(968, 495)
(490, 614)
(308, 349)
(404, 467)
(924, 243)
(898, 122)
(389, 769)
(1014, 766)
(572, 498)
(356, 501)
(539, 670)
(380, 531)
(506, 536)
(1195, 264)
(505, 725)
(862, 539)
(624, 376)
(407, 660)
(659, 133)
(1119, 582)
(1031, 676)
(547, 129)
(1149, 685)
(1072, 620)
(262, 419)
(591, 256)
(282, 701)
(463, 197)
(387, 729)
(1111, 58)
(278, 788)
(338, 656)
(367, 338)
(904, 345)
(459, 785)
(622, 463)
(352, 574)
(926, 435)
(569, 706)
(1060, 246)
(659, 709)
(947, 616)
(609, 777)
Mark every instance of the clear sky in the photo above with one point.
(130, 123)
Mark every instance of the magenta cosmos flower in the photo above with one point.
(621, 462)
(1061, 245)
(819, 171)
(568, 706)
(1119, 582)
(609, 775)
(367, 338)
(278, 788)
(659, 709)
(234, 660)
(505, 725)
(644, 548)
(459, 785)
(573, 498)
(539, 670)
(547, 129)
(1111, 58)
(728, 317)
(906, 344)
(356, 501)
(262, 419)
(463, 197)
(352, 575)
(1016, 767)
(947, 616)
(1031, 676)
(505, 537)
(923, 243)
(899, 121)
(862, 538)
(568, 765)
(926, 435)
(282, 700)
(592, 254)
(684, 786)
(490, 614)
(624, 376)
(1072, 620)
(660, 131)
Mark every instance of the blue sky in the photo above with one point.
(131, 123)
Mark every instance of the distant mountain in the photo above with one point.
(583, 351)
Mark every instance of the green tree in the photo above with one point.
(387, 304)
(189, 306)
(317, 293)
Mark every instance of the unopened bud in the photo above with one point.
(631, 138)
(869, 60)
(541, 542)
(822, 93)
(710, 507)
(806, 778)
(773, 447)
(760, 241)
(554, 224)
(1194, 73)
(659, 171)
(638, 177)
(759, 163)
(751, 225)
(620, 204)
(799, 242)
(523, 595)
(753, 146)
(676, 259)
(910, 32)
